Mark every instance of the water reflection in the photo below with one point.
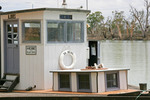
(128, 54)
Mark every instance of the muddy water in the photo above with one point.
(134, 55)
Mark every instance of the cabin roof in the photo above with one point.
(48, 9)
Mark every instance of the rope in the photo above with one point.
(139, 95)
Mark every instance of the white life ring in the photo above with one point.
(61, 60)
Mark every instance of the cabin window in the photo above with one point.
(112, 81)
(65, 31)
(55, 31)
(84, 84)
(74, 32)
(64, 81)
(31, 31)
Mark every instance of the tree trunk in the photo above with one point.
(119, 31)
(147, 17)
(131, 29)
(111, 31)
(142, 29)
(140, 18)
(127, 30)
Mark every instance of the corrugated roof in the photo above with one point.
(41, 9)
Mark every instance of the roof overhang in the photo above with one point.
(45, 9)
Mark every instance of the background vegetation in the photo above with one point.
(120, 27)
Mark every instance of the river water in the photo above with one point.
(134, 55)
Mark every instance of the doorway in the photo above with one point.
(11, 47)
(94, 47)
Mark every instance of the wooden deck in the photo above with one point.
(50, 93)
(76, 93)
(53, 95)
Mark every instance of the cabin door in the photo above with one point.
(11, 48)
(94, 47)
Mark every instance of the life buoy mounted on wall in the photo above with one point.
(61, 60)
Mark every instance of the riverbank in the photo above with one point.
(116, 37)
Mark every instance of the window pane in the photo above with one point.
(15, 28)
(65, 31)
(9, 38)
(9, 28)
(55, 32)
(84, 81)
(64, 81)
(74, 32)
(31, 31)
(112, 80)
(15, 33)
(9, 33)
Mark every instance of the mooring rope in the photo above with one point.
(140, 94)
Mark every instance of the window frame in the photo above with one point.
(90, 83)
(118, 81)
(65, 31)
(64, 89)
(23, 30)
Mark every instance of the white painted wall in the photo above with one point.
(52, 51)
(52, 54)
(31, 66)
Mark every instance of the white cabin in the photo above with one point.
(32, 41)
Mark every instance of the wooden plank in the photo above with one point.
(6, 80)
(3, 86)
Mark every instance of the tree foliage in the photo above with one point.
(118, 20)
(95, 20)
(118, 26)
(142, 17)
